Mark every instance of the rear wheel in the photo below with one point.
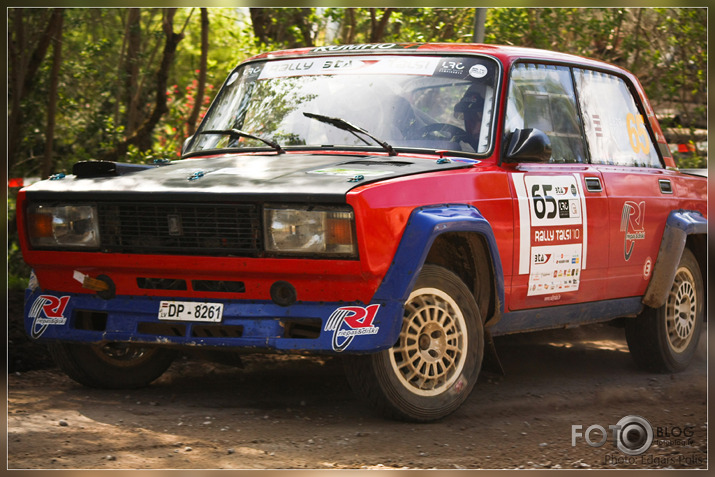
(111, 365)
(665, 339)
(435, 363)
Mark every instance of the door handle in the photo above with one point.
(665, 186)
(593, 184)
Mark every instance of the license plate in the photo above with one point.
(190, 311)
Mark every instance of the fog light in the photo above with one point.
(283, 293)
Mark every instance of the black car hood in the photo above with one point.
(306, 177)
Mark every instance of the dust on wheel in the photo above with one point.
(435, 362)
(665, 339)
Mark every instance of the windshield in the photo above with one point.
(437, 103)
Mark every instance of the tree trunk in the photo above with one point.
(349, 27)
(203, 66)
(131, 70)
(260, 22)
(302, 20)
(48, 162)
(143, 134)
(24, 67)
(377, 30)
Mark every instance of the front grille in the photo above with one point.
(187, 229)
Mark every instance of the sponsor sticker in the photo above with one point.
(47, 310)
(552, 232)
(633, 224)
(367, 46)
(478, 71)
(232, 79)
(412, 65)
(347, 322)
(451, 67)
(647, 268)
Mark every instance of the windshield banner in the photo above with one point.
(350, 65)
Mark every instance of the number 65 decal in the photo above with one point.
(637, 133)
(540, 202)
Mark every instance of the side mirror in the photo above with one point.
(528, 145)
(186, 144)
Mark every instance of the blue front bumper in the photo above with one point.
(314, 327)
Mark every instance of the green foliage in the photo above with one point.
(665, 47)
(692, 161)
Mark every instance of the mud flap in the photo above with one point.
(491, 363)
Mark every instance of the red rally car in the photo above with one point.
(399, 203)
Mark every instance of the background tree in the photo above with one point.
(285, 27)
(130, 69)
(143, 133)
(48, 160)
(199, 99)
(29, 39)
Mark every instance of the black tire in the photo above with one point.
(111, 366)
(665, 339)
(443, 337)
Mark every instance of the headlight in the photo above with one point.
(72, 226)
(310, 230)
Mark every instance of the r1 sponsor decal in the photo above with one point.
(552, 232)
(45, 311)
(633, 224)
(347, 322)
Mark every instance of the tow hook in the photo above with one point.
(103, 285)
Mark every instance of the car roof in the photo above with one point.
(506, 54)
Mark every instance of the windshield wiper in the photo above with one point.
(346, 126)
(239, 133)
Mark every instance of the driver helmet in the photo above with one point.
(470, 108)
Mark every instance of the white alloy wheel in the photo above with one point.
(435, 361)
(681, 311)
(432, 348)
(664, 339)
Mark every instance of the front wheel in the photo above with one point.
(664, 339)
(435, 363)
(111, 365)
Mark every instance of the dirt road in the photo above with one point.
(296, 412)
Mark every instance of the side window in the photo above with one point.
(542, 97)
(615, 129)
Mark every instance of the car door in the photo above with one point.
(640, 190)
(560, 207)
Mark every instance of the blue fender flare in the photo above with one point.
(423, 227)
(679, 225)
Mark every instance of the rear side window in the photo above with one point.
(615, 129)
(542, 97)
